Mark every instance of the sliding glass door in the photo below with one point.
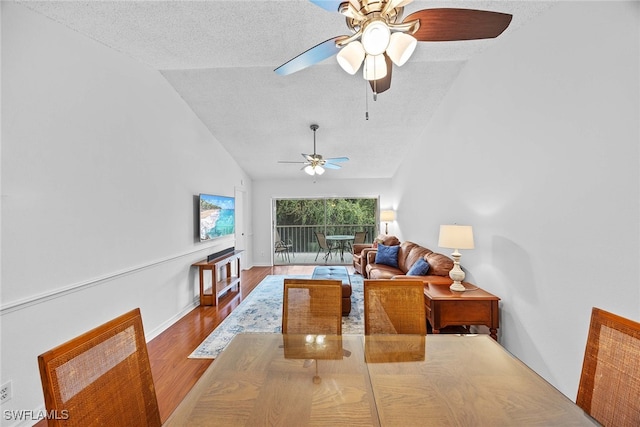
(296, 222)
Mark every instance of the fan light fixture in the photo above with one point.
(401, 47)
(351, 56)
(375, 67)
(314, 170)
(315, 164)
(375, 41)
(375, 37)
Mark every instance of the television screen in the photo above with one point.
(217, 216)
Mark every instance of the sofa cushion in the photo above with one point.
(439, 265)
(419, 268)
(390, 241)
(381, 271)
(387, 255)
(410, 253)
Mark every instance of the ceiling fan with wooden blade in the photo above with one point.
(315, 164)
(381, 38)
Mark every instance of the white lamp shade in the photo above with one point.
(456, 237)
(319, 170)
(351, 56)
(375, 37)
(375, 67)
(388, 216)
(309, 170)
(401, 47)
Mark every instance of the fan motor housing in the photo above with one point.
(373, 9)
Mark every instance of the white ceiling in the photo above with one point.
(219, 55)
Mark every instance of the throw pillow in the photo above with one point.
(387, 255)
(419, 268)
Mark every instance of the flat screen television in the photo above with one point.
(217, 216)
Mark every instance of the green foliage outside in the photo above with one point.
(336, 211)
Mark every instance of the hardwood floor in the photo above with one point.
(173, 372)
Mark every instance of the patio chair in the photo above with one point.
(323, 245)
(610, 379)
(102, 377)
(394, 307)
(358, 239)
(312, 306)
(283, 248)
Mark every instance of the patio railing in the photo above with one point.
(303, 237)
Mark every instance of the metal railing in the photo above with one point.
(303, 237)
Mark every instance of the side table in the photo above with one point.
(222, 278)
(475, 306)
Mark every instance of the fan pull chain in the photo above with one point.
(366, 100)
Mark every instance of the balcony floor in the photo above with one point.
(309, 258)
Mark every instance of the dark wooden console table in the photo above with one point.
(222, 276)
(472, 307)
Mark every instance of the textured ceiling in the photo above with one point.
(220, 56)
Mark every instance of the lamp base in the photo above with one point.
(456, 273)
(457, 287)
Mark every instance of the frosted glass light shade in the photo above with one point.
(375, 67)
(375, 37)
(314, 170)
(401, 47)
(351, 56)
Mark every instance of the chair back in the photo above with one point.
(322, 240)
(312, 306)
(394, 307)
(359, 237)
(103, 377)
(609, 387)
(279, 244)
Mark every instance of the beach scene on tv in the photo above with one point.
(217, 216)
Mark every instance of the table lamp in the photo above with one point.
(456, 237)
(387, 217)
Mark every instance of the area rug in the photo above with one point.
(261, 312)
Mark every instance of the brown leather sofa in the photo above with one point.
(360, 252)
(408, 254)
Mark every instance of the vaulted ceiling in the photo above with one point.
(219, 55)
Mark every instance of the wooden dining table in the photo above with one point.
(377, 380)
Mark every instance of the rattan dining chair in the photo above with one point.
(394, 307)
(609, 387)
(101, 378)
(312, 306)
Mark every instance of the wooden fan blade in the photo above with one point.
(337, 159)
(380, 85)
(310, 57)
(446, 24)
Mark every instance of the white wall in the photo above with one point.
(264, 192)
(101, 161)
(538, 148)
